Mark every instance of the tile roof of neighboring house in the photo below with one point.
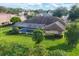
(5, 17)
(42, 20)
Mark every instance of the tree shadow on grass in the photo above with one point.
(63, 46)
(53, 37)
(10, 33)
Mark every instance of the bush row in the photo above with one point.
(18, 50)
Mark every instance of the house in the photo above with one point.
(31, 13)
(44, 13)
(22, 16)
(65, 18)
(49, 24)
(5, 18)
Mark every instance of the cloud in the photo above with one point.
(44, 6)
(39, 1)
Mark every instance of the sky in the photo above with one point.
(44, 6)
(39, 1)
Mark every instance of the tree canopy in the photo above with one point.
(72, 35)
(3, 9)
(10, 10)
(15, 19)
(60, 11)
(74, 13)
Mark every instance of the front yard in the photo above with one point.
(25, 41)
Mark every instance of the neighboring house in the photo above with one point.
(48, 23)
(44, 14)
(5, 18)
(65, 18)
(22, 16)
(31, 13)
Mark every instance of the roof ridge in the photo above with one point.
(61, 25)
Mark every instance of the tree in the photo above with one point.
(72, 35)
(11, 10)
(3, 9)
(74, 13)
(60, 12)
(15, 19)
(38, 36)
(14, 10)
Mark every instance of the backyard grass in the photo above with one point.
(26, 41)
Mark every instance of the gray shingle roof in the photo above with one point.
(29, 25)
(42, 20)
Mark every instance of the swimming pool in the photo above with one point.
(25, 30)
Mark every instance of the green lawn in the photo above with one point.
(26, 41)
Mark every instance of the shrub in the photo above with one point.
(38, 50)
(72, 35)
(38, 36)
(13, 49)
(19, 50)
(2, 50)
(15, 30)
(57, 53)
(15, 19)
